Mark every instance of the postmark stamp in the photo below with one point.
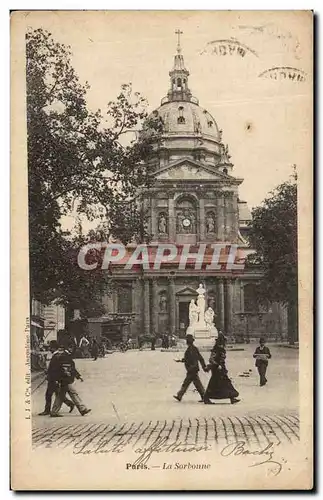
(287, 73)
(228, 47)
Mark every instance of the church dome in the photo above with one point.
(187, 118)
(180, 113)
(185, 128)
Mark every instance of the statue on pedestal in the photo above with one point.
(193, 313)
(201, 305)
(209, 317)
(162, 224)
(209, 320)
(201, 320)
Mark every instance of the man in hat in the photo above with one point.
(65, 374)
(262, 355)
(192, 358)
(52, 384)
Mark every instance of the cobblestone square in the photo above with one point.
(130, 395)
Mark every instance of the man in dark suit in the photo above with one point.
(262, 355)
(65, 372)
(192, 358)
(52, 384)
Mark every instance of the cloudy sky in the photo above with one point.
(265, 121)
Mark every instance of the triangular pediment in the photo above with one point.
(187, 291)
(188, 169)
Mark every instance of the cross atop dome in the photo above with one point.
(179, 90)
(179, 33)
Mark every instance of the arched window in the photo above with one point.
(179, 83)
(180, 118)
(186, 215)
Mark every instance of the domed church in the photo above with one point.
(193, 203)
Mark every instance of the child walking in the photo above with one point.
(262, 355)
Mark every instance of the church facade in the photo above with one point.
(194, 201)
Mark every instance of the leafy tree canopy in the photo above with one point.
(273, 236)
(93, 162)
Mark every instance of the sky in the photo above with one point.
(266, 122)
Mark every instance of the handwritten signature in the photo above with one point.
(266, 455)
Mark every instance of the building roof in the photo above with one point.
(180, 112)
(181, 117)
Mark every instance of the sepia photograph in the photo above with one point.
(162, 177)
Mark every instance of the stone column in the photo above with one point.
(155, 306)
(146, 307)
(108, 303)
(235, 218)
(115, 301)
(153, 216)
(202, 221)
(172, 306)
(220, 300)
(228, 211)
(226, 216)
(241, 296)
(171, 219)
(228, 306)
(220, 216)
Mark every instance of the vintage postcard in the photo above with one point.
(161, 204)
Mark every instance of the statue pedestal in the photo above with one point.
(204, 337)
(202, 333)
(201, 321)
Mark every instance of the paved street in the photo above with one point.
(130, 395)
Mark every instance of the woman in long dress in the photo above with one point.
(219, 386)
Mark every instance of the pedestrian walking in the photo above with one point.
(52, 384)
(95, 350)
(219, 386)
(65, 373)
(84, 346)
(262, 355)
(165, 341)
(192, 358)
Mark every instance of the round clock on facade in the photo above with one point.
(186, 222)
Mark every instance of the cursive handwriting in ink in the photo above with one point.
(266, 455)
(161, 445)
(88, 447)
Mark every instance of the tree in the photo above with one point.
(77, 159)
(273, 236)
(78, 288)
